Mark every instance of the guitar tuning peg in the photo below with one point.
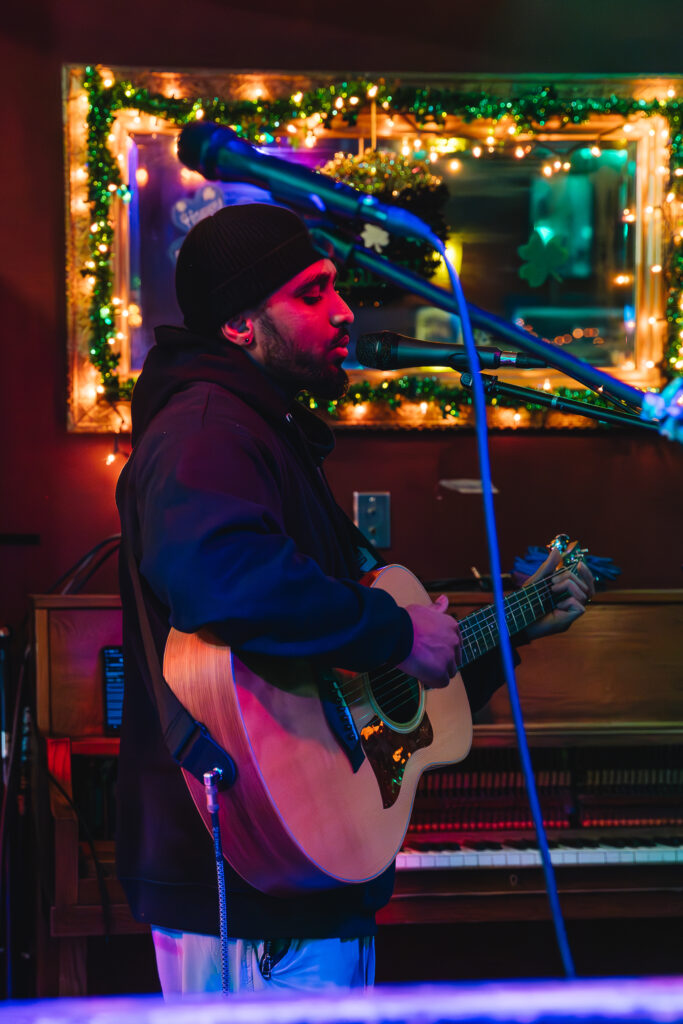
(575, 556)
(560, 543)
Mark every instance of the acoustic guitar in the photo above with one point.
(298, 816)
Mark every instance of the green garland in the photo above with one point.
(261, 120)
(450, 399)
(410, 182)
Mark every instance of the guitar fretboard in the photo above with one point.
(479, 629)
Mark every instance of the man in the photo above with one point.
(227, 513)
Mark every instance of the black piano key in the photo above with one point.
(482, 845)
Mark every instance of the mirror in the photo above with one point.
(561, 227)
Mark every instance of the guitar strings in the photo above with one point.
(394, 690)
(540, 591)
(390, 697)
(468, 631)
(384, 685)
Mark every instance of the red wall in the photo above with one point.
(619, 494)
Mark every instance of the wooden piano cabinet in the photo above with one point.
(483, 895)
(617, 673)
(69, 634)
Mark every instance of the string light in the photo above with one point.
(105, 99)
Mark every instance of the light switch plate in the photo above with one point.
(372, 516)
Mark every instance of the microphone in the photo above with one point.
(389, 351)
(218, 152)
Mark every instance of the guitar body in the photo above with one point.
(298, 816)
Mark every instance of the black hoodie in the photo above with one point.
(231, 522)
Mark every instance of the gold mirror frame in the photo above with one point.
(657, 213)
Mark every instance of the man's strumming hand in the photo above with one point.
(436, 644)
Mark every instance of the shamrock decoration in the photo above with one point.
(542, 259)
(375, 237)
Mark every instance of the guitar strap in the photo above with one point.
(367, 554)
(189, 742)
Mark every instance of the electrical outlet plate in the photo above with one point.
(372, 516)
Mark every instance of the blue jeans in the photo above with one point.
(188, 962)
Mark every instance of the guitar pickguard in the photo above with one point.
(389, 752)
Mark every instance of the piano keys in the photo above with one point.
(524, 853)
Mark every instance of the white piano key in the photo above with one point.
(561, 856)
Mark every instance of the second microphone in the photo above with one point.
(386, 350)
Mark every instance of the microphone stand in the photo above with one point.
(493, 386)
(609, 387)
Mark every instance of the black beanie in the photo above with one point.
(232, 261)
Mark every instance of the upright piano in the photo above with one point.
(603, 706)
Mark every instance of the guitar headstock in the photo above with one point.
(572, 554)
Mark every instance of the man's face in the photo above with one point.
(301, 334)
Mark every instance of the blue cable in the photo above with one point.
(505, 645)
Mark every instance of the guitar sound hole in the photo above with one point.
(396, 695)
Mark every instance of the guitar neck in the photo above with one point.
(479, 629)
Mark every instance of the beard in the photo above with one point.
(297, 369)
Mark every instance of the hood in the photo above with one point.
(181, 358)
